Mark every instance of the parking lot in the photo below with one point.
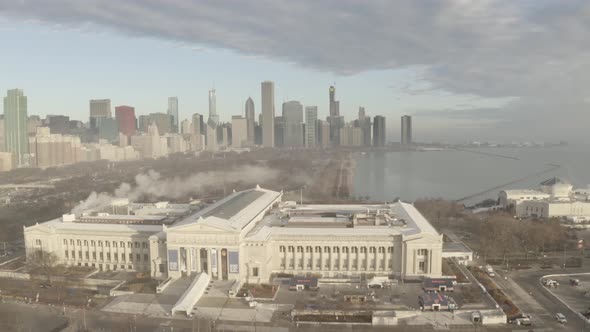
(576, 297)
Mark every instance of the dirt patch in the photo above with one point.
(262, 291)
(509, 308)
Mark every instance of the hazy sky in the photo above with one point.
(497, 70)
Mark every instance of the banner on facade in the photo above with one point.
(214, 260)
(234, 262)
(173, 260)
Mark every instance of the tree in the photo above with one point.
(45, 261)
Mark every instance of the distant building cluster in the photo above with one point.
(555, 198)
(28, 141)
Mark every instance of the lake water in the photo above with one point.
(452, 174)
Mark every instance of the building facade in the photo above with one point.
(126, 120)
(16, 137)
(406, 130)
(293, 124)
(239, 126)
(379, 131)
(248, 236)
(268, 114)
(173, 112)
(250, 115)
(311, 120)
(99, 108)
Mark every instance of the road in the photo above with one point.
(526, 291)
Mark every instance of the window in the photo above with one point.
(291, 249)
(115, 257)
(138, 257)
(372, 250)
(78, 242)
(307, 249)
(87, 255)
(65, 241)
(73, 254)
(38, 242)
(336, 250)
(282, 249)
(66, 252)
(146, 257)
(101, 256)
(355, 250)
(363, 250)
(299, 249)
(327, 249)
(130, 257)
(318, 249)
(390, 250)
(122, 244)
(345, 250)
(422, 252)
(108, 256)
(92, 243)
(255, 272)
(123, 257)
(421, 266)
(129, 244)
(381, 250)
(114, 244)
(94, 256)
(107, 244)
(144, 245)
(86, 242)
(71, 242)
(100, 244)
(136, 244)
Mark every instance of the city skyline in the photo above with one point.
(455, 88)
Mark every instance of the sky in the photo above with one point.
(465, 70)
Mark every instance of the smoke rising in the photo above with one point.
(151, 184)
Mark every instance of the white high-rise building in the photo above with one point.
(268, 114)
(251, 118)
(311, 119)
(239, 131)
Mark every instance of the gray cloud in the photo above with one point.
(535, 50)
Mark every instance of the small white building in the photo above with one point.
(555, 199)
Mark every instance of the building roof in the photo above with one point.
(58, 224)
(413, 223)
(235, 211)
(524, 192)
(457, 247)
(429, 283)
(428, 299)
(553, 181)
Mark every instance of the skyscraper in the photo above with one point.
(250, 119)
(292, 124)
(163, 121)
(311, 119)
(365, 125)
(335, 120)
(379, 131)
(406, 129)
(268, 114)
(173, 112)
(125, 116)
(99, 108)
(15, 124)
(213, 108)
(239, 131)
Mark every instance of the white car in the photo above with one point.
(560, 318)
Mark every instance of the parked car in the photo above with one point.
(550, 283)
(575, 282)
(560, 318)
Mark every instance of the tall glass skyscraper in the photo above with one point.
(213, 117)
(173, 112)
(406, 129)
(250, 119)
(15, 123)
